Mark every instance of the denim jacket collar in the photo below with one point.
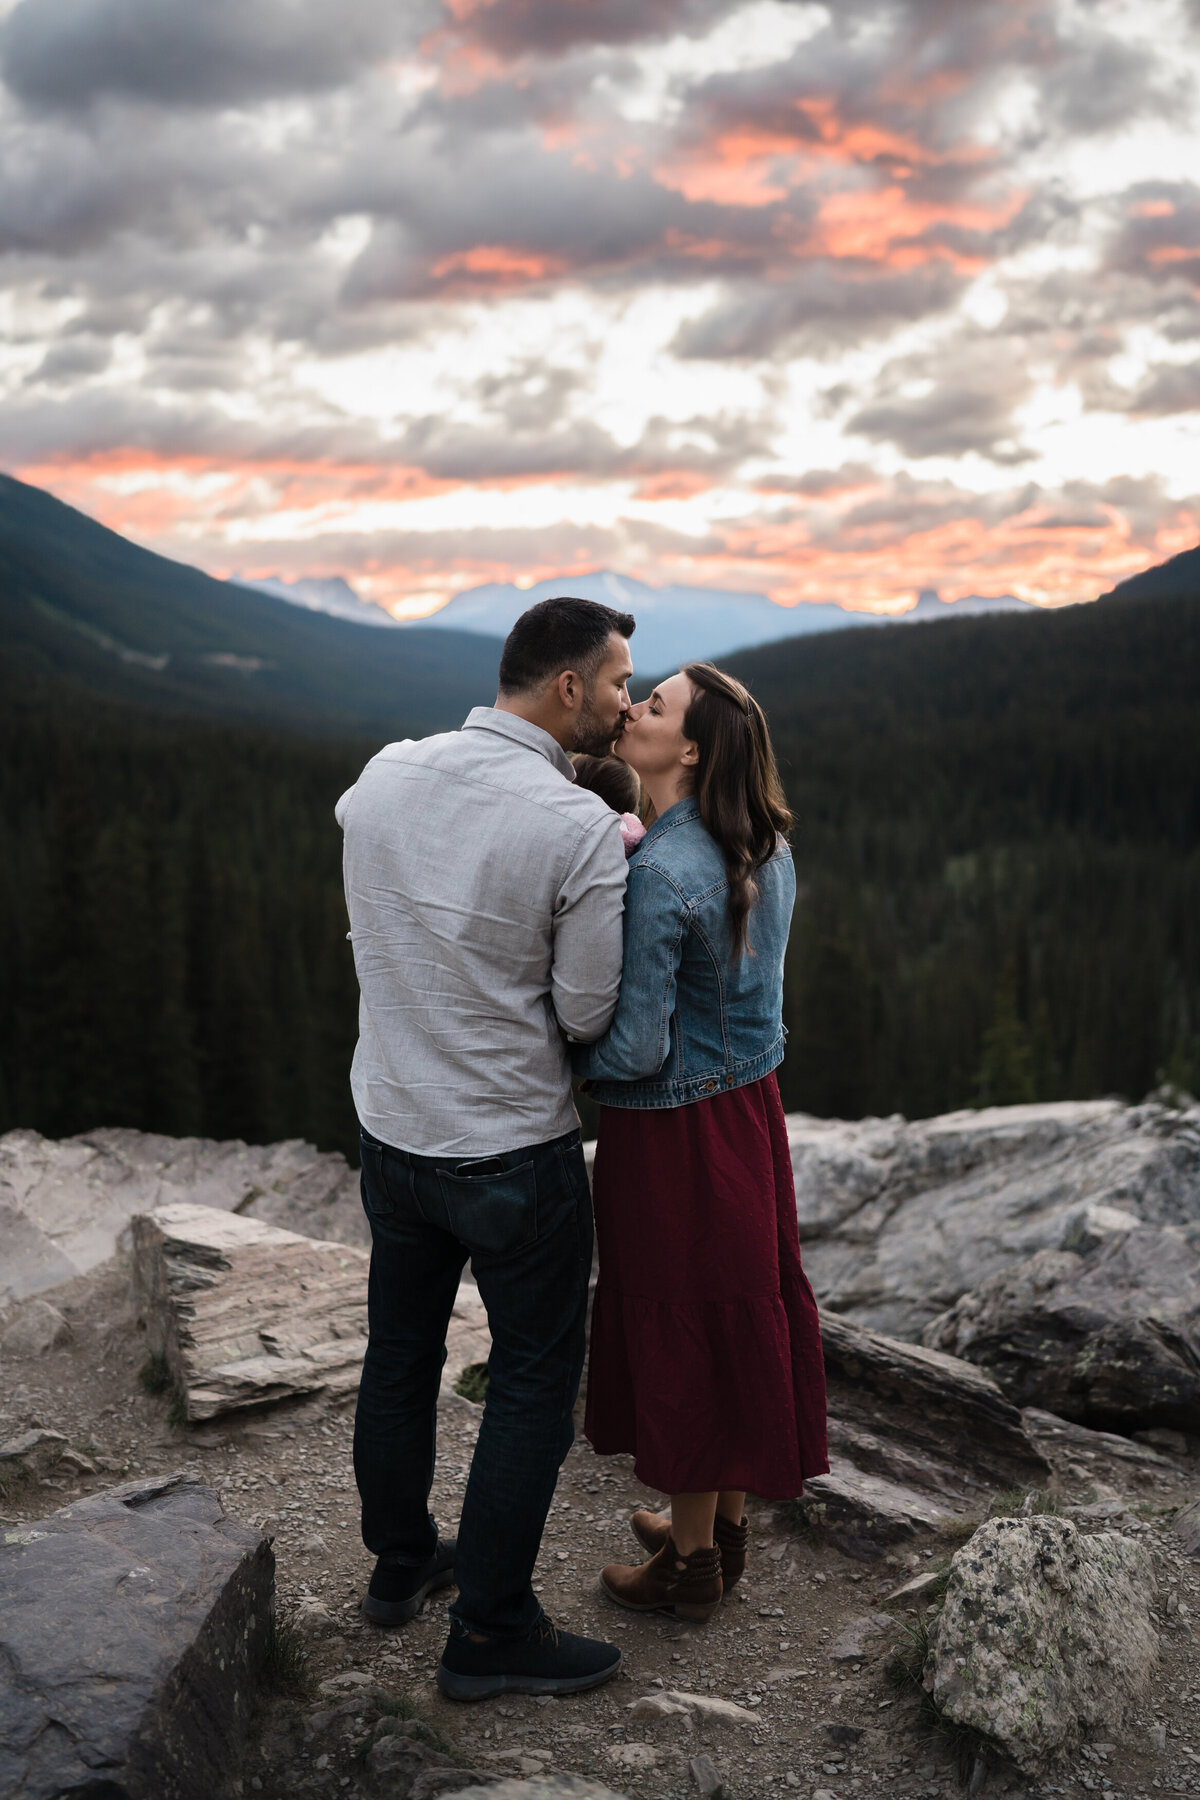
(682, 813)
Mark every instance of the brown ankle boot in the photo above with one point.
(688, 1586)
(652, 1531)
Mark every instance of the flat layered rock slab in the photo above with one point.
(919, 1440)
(65, 1205)
(247, 1314)
(133, 1626)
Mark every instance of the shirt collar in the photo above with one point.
(510, 725)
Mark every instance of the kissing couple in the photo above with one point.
(511, 921)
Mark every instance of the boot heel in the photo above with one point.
(695, 1615)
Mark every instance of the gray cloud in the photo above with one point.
(946, 422)
(1100, 84)
(822, 304)
(206, 52)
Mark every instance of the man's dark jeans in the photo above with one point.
(525, 1221)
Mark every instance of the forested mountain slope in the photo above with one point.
(997, 837)
(85, 612)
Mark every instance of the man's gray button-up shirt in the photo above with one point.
(485, 894)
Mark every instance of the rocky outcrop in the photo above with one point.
(917, 1440)
(1108, 1338)
(1045, 1637)
(133, 1626)
(65, 1206)
(898, 1220)
(246, 1314)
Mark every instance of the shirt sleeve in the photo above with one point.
(585, 975)
(638, 1040)
(343, 806)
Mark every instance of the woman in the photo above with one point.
(705, 1349)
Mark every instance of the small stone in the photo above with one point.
(917, 1588)
(707, 1777)
(711, 1706)
(851, 1643)
(36, 1329)
(76, 1462)
(840, 1734)
(36, 1450)
(655, 1706)
(1158, 1737)
(824, 1794)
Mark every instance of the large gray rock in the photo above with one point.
(133, 1626)
(1109, 1338)
(898, 1220)
(917, 1440)
(65, 1206)
(1045, 1638)
(247, 1314)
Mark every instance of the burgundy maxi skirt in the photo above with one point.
(705, 1360)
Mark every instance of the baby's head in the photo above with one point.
(611, 779)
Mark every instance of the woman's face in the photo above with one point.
(652, 741)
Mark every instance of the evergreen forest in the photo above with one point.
(997, 841)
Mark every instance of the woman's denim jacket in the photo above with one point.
(691, 1021)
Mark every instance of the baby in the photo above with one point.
(616, 784)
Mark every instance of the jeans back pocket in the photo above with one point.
(494, 1212)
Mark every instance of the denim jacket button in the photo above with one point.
(709, 1086)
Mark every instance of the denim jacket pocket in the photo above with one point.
(494, 1213)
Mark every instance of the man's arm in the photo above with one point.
(343, 806)
(585, 977)
(637, 1042)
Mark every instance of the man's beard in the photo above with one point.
(592, 736)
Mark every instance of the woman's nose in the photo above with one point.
(635, 712)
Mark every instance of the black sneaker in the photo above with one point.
(397, 1591)
(543, 1660)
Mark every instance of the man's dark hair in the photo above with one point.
(555, 635)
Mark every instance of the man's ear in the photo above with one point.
(568, 688)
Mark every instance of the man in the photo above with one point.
(485, 895)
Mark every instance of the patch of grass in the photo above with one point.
(13, 1476)
(1023, 1503)
(802, 1518)
(472, 1384)
(177, 1413)
(401, 1716)
(285, 1659)
(155, 1373)
(905, 1669)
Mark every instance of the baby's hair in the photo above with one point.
(611, 779)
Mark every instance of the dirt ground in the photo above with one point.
(819, 1725)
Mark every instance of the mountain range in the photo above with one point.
(674, 624)
(85, 612)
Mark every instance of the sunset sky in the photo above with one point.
(829, 302)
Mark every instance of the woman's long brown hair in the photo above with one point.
(738, 789)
